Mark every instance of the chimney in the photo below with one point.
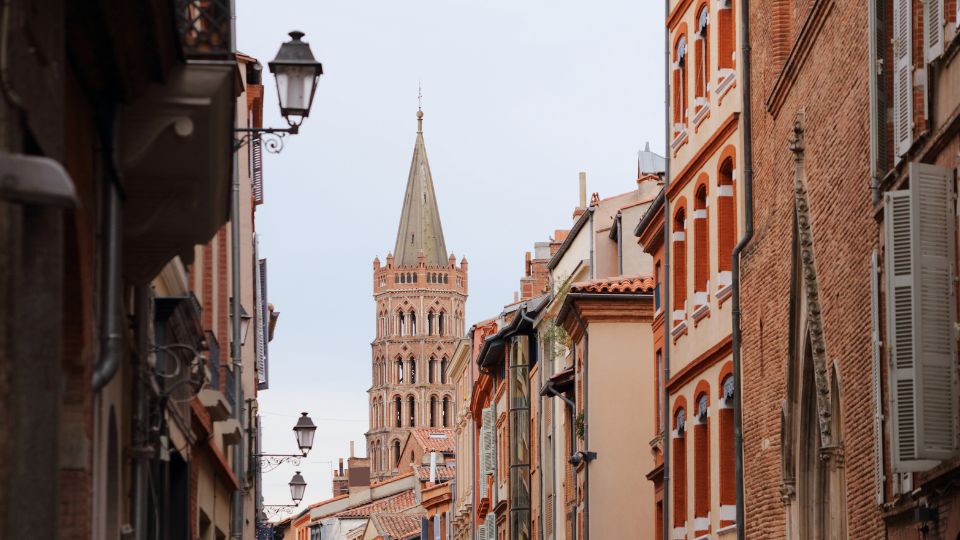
(351, 449)
(341, 466)
(433, 467)
(516, 296)
(527, 263)
(583, 189)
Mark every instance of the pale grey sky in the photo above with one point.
(518, 97)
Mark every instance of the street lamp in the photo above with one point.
(304, 430)
(296, 72)
(297, 486)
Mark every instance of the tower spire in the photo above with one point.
(420, 229)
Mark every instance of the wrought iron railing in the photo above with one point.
(204, 27)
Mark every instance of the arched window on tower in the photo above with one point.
(443, 371)
(445, 412)
(400, 324)
(701, 247)
(433, 411)
(399, 364)
(701, 461)
(412, 411)
(413, 370)
(396, 453)
(430, 318)
(413, 322)
(440, 319)
(398, 410)
(431, 369)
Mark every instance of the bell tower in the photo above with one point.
(420, 295)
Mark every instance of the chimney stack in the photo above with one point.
(341, 466)
(583, 189)
(351, 449)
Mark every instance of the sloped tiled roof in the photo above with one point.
(443, 472)
(617, 284)
(394, 503)
(398, 526)
(435, 439)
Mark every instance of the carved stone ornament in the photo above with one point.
(809, 275)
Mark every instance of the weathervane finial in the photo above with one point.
(419, 107)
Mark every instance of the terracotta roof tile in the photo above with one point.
(394, 503)
(616, 284)
(435, 439)
(443, 472)
(398, 526)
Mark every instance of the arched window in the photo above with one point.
(396, 453)
(702, 49)
(445, 412)
(680, 83)
(726, 36)
(432, 369)
(728, 493)
(413, 323)
(440, 318)
(398, 409)
(679, 264)
(430, 318)
(399, 365)
(443, 371)
(400, 324)
(433, 411)
(412, 411)
(726, 217)
(679, 457)
(413, 370)
(701, 463)
(701, 246)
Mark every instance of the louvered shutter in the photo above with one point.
(263, 330)
(481, 532)
(875, 376)
(491, 523)
(489, 444)
(256, 168)
(902, 78)
(932, 29)
(919, 226)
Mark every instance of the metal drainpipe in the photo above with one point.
(586, 424)
(665, 285)
(110, 325)
(748, 234)
(144, 317)
(235, 346)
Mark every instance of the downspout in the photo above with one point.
(111, 330)
(874, 102)
(593, 271)
(140, 414)
(586, 394)
(748, 234)
(235, 346)
(665, 289)
(619, 245)
(473, 444)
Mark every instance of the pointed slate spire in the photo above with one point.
(420, 229)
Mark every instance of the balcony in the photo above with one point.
(204, 28)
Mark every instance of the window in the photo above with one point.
(679, 456)
(430, 317)
(702, 49)
(726, 216)
(413, 370)
(412, 411)
(433, 410)
(445, 412)
(413, 323)
(443, 371)
(396, 453)
(727, 35)
(431, 369)
(658, 377)
(656, 287)
(680, 84)
(440, 324)
(399, 365)
(398, 411)
(701, 245)
(728, 494)
(701, 450)
(920, 231)
(679, 264)
(400, 324)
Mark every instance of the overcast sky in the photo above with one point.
(518, 97)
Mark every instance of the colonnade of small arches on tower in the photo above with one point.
(408, 372)
(406, 411)
(404, 322)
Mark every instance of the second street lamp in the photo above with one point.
(297, 487)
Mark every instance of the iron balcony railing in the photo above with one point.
(204, 28)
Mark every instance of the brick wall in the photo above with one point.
(830, 86)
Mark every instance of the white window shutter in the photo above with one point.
(481, 532)
(932, 29)
(489, 444)
(491, 523)
(875, 376)
(920, 231)
(902, 77)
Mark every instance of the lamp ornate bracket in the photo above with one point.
(276, 510)
(272, 137)
(269, 462)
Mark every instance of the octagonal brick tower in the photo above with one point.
(420, 295)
